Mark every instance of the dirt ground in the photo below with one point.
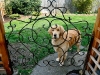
(6, 19)
(22, 17)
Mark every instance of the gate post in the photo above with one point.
(3, 49)
(93, 48)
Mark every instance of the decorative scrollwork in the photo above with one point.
(29, 41)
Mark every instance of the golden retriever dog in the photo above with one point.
(63, 40)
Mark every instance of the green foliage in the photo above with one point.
(14, 16)
(96, 5)
(35, 13)
(83, 6)
(24, 7)
(8, 8)
(23, 71)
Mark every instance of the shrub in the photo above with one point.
(8, 8)
(24, 7)
(35, 13)
(14, 16)
(83, 6)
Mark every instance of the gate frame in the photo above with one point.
(5, 55)
(3, 49)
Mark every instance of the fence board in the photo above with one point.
(96, 63)
(96, 51)
(92, 69)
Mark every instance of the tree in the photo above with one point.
(24, 7)
(96, 5)
(83, 6)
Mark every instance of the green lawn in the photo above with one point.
(34, 34)
(38, 29)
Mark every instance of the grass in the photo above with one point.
(34, 36)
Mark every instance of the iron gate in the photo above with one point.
(29, 40)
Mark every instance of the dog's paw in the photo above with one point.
(57, 59)
(61, 64)
(80, 53)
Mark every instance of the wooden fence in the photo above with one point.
(93, 56)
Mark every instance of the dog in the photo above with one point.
(63, 40)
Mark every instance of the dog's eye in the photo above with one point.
(57, 29)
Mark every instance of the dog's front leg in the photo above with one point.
(61, 58)
(56, 50)
(78, 47)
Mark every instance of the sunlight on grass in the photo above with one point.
(28, 28)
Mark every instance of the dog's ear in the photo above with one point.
(62, 30)
(50, 30)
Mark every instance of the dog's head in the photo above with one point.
(56, 31)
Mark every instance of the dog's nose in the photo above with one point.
(55, 36)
